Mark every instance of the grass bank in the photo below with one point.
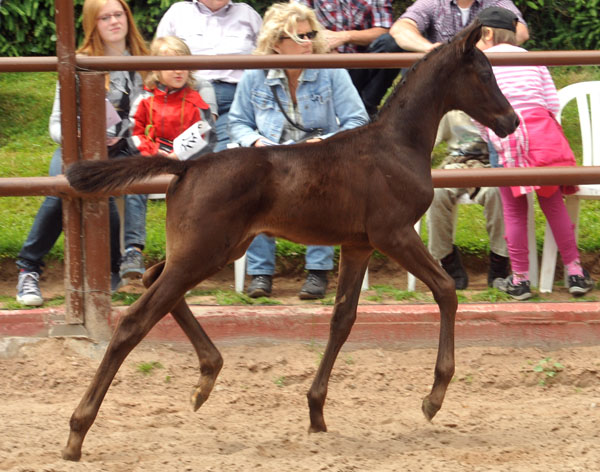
(26, 149)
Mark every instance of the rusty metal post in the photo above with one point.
(65, 51)
(95, 221)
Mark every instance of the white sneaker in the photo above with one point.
(28, 289)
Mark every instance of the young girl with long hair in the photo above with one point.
(109, 30)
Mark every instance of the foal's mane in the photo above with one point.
(408, 75)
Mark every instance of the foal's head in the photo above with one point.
(472, 86)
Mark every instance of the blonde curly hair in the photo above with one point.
(167, 46)
(281, 19)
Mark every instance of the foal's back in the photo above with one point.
(315, 194)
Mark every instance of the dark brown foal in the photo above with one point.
(363, 189)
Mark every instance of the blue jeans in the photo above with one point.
(372, 84)
(48, 225)
(134, 220)
(224, 93)
(261, 256)
(494, 161)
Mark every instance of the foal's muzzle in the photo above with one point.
(506, 124)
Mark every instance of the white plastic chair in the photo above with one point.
(240, 272)
(533, 259)
(587, 95)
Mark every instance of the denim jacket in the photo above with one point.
(326, 99)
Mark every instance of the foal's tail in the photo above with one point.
(101, 176)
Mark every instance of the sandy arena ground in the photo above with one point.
(496, 417)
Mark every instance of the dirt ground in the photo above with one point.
(496, 417)
(507, 409)
(287, 284)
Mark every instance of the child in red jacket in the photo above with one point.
(170, 117)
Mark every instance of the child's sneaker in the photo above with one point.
(579, 285)
(520, 291)
(132, 265)
(28, 289)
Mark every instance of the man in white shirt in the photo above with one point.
(214, 27)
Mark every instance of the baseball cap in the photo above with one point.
(497, 17)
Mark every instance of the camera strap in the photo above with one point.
(311, 132)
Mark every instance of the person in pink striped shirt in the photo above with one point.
(538, 141)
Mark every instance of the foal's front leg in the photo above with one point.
(131, 329)
(406, 248)
(353, 264)
(209, 357)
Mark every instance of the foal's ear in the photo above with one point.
(467, 39)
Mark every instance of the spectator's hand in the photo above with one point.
(259, 143)
(263, 142)
(336, 39)
(172, 155)
(433, 46)
(314, 140)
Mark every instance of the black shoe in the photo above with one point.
(499, 268)
(580, 285)
(453, 265)
(116, 282)
(260, 286)
(520, 291)
(315, 286)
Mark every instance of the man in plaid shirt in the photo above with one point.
(428, 23)
(351, 26)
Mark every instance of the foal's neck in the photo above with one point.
(416, 107)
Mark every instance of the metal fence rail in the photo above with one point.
(85, 217)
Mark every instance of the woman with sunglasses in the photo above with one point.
(286, 106)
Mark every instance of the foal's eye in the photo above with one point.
(486, 76)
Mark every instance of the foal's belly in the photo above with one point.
(321, 225)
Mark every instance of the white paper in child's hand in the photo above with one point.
(112, 117)
(191, 141)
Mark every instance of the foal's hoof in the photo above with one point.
(198, 398)
(313, 429)
(429, 409)
(69, 455)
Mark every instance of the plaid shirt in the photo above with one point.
(440, 20)
(346, 15)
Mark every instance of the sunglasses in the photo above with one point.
(303, 36)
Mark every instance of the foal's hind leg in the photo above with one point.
(209, 357)
(408, 250)
(353, 264)
(131, 329)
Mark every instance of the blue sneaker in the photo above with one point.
(28, 289)
(132, 265)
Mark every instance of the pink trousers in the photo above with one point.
(515, 226)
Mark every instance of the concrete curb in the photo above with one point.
(514, 324)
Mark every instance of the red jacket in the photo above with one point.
(158, 115)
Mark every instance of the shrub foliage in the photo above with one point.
(28, 29)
